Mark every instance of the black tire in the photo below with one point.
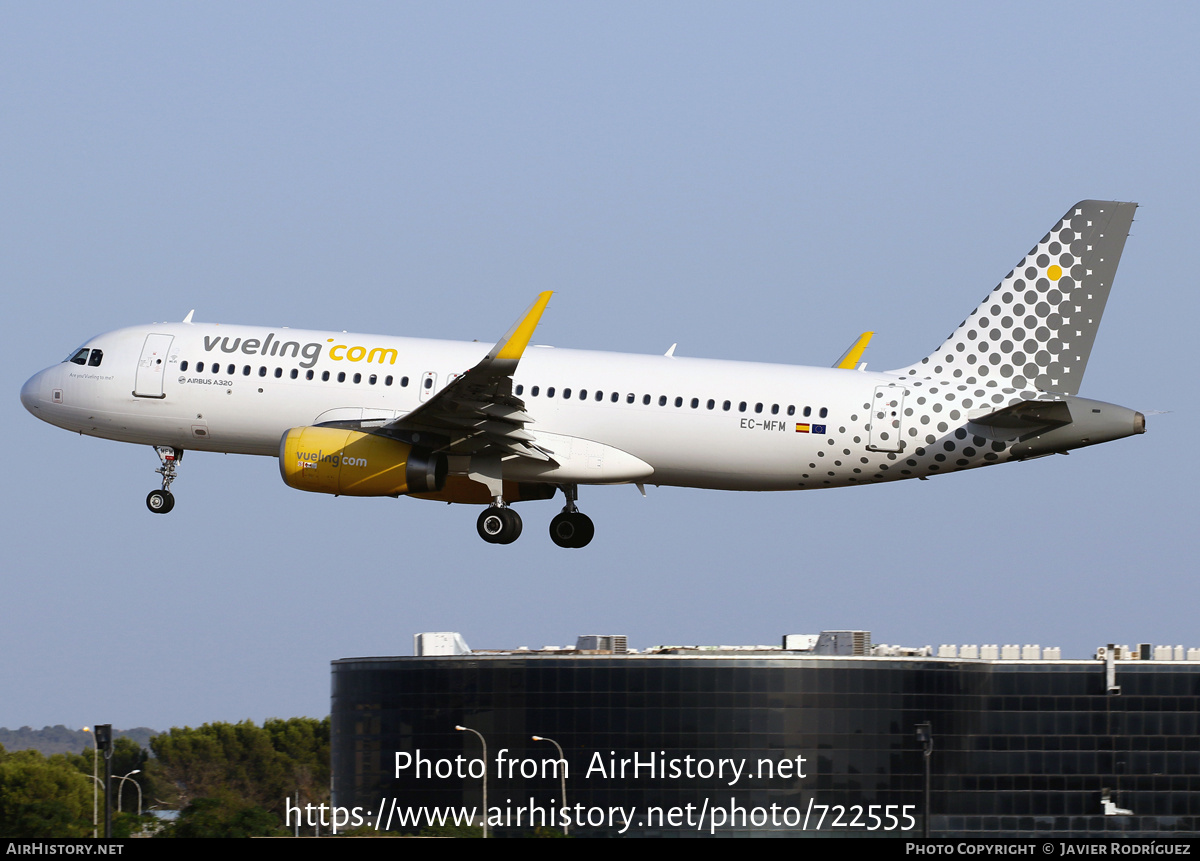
(585, 530)
(513, 527)
(499, 525)
(571, 529)
(160, 501)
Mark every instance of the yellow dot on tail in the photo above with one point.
(1054, 272)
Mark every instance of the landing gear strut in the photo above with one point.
(499, 524)
(162, 501)
(571, 527)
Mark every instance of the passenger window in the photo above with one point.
(534, 391)
(262, 370)
(807, 412)
(662, 400)
(387, 381)
(357, 379)
(630, 398)
(96, 359)
(371, 379)
(325, 376)
(791, 409)
(550, 392)
(774, 409)
(428, 382)
(646, 400)
(678, 402)
(403, 382)
(615, 397)
(711, 403)
(309, 375)
(758, 408)
(295, 373)
(742, 407)
(245, 370)
(231, 370)
(342, 378)
(80, 357)
(278, 373)
(726, 406)
(695, 403)
(583, 394)
(199, 367)
(824, 412)
(183, 365)
(566, 393)
(520, 389)
(216, 368)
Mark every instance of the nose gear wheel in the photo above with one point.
(162, 501)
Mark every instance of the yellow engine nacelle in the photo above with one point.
(353, 463)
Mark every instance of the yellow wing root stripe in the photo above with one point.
(849, 359)
(516, 339)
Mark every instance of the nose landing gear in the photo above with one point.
(162, 501)
(571, 527)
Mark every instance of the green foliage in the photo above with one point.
(261, 766)
(224, 815)
(42, 797)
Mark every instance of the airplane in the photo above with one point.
(373, 415)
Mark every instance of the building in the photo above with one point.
(816, 736)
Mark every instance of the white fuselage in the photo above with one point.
(211, 388)
(606, 418)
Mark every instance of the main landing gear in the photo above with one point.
(499, 524)
(162, 501)
(571, 527)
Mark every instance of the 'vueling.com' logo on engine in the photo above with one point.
(310, 459)
(271, 346)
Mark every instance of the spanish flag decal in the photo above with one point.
(801, 428)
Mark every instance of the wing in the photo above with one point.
(477, 411)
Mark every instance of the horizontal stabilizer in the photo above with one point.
(1024, 418)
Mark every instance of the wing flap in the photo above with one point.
(477, 410)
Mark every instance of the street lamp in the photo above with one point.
(563, 760)
(122, 786)
(95, 787)
(485, 770)
(925, 737)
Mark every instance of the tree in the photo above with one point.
(224, 815)
(43, 797)
(261, 766)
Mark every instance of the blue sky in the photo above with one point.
(752, 181)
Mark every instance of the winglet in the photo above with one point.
(512, 345)
(849, 359)
(188, 318)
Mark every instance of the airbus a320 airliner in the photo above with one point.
(373, 415)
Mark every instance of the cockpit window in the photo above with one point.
(80, 357)
(96, 358)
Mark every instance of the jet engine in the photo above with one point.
(352, 463)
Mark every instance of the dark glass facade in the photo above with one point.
(1019, 748)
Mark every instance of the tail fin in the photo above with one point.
(1036, 329)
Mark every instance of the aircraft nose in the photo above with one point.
(31, 392)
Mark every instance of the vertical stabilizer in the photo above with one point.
(1037, 327)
